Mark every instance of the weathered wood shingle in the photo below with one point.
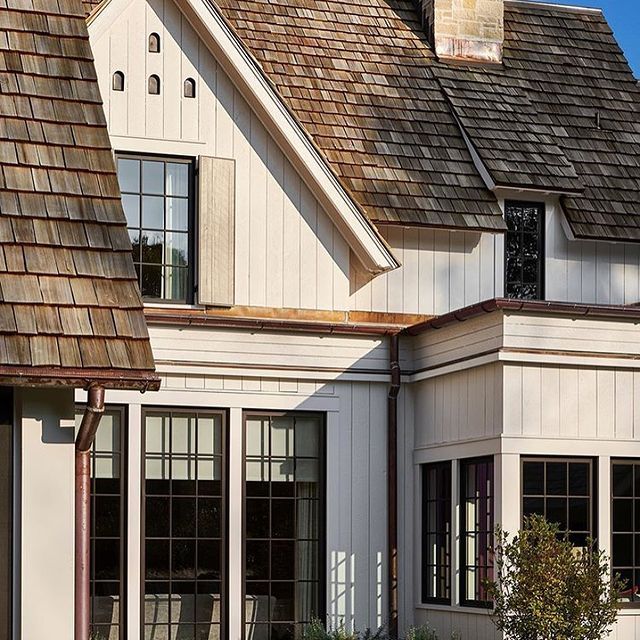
(70, 311)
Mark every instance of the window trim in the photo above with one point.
(542, 244)
(225, 566)
(322, 511)
(12, 553)
(192, 232)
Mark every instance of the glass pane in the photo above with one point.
(209, 560)
(152, 176)
(622, 555)
(282, 601)
(177, 249)
(257, 518)
(131, 205)
(183, 436)
(207, 437)
(283, 560)
(183, 556)
(557, 478)
(557, 512)
(176, 283)
(151, 281)
(533, 478)
(307, 436)
(283, 516)
(622, 515)
(282, 437)
(579, 479)
(157, 434)
(107, 516)
(177, 214)
(152, 247)
(129, 175)
(579, 514)
(257, 437)
(177, 179)
(209, 518)
(183, 517)
(623, 480)
(531, 506)
(153, 212)
(307, 471)
(157, 517)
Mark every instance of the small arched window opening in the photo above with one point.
(154, 85)
(154, 43)
(118, 81)
(189, 88)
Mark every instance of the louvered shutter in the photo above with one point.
(216, 219)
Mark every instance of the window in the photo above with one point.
(477, 525)
(118, 81)
(625, 526)
(156, 195)
(154, 43)
(6, 509)
(108, 527)
(189, 88)
(524, 243)
(284, 524)
(154, 85)
(561, 491)
(183, 525)
(436, 533)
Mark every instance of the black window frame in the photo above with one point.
(541, 245)
(568, 496)
(7, 422)
(224, 578)
(443, 502)
(464, 531)
(190, 161)
(322, 510)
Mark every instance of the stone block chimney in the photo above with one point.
(466, 29)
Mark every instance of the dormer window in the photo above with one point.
(154, 85)
(189, 88)
(524, 250)
(118, 81)
(154, 43)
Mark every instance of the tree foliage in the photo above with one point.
(547, 589)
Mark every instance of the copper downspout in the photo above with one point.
(86, 435)
(392, 483)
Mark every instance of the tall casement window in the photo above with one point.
(284, 524)
(108, 526)
(436, 533)
(625, 525)
(524, 248)
(184, 523)
(157, 194)
(6, 520)
(561, 490)
(477, 525)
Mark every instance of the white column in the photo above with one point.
(236, 491)
(507, 492)
(603, 497)
(455, 532)
(135, 471)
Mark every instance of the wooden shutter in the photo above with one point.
(216, 265)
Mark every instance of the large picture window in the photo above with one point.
(524, 250)
(561, 490)
(436, 533)
(477, 524)
(625, 526)
(6, 501)
(157, 197)
(184, 516)
(284, 524)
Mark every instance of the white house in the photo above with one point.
(389, 253)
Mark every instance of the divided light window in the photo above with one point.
(625, 525)
(436, 533)
(477, 526)
(524, 250)
(157, 195)
(284, 525)
(561, 490)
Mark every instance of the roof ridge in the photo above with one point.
(570, 8)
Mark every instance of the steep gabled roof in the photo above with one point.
(70, 310)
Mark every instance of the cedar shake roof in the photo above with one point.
(70, 310)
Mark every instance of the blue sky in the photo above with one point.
(624, 17)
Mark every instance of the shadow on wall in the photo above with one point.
(53, 409)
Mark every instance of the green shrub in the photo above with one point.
(318, 631)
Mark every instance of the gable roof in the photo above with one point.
(70, 310)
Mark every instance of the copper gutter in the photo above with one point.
(392, 482)
(84, 441)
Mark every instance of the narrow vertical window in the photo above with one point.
(154, 85)
(436, 533)
(154, 43)
(625, 526)
(189, 88)
(6, 511)
(477, 524)
(524, 250)
(561, 491)
(284, 529)
(183, 524)
(118, 81)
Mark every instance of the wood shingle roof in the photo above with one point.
(70, 310)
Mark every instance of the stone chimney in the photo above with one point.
(466, 29)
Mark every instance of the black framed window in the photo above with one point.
(157, 195)
(625, 525)
(477, 526)
(6, 509)
(184, 524)
(284, 524)
(524, 250)
(561, 490)
(436, 533)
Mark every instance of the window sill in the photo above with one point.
(456, 608)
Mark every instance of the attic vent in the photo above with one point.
(189, 88)
(118, 81)
(154, 85)
(154, 43)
